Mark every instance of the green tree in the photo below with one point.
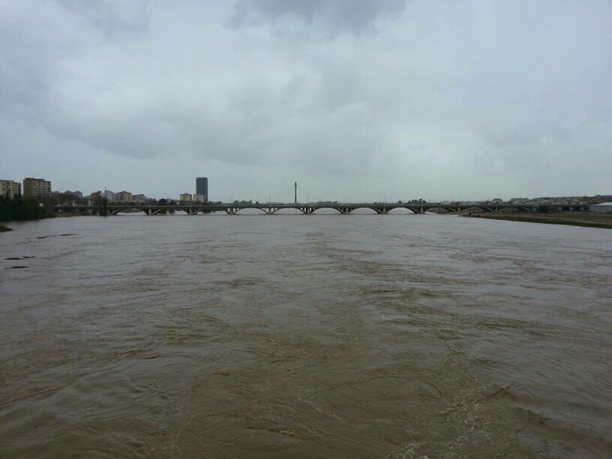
(21, 209)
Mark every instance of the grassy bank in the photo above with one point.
(562, 218)
(4, 228)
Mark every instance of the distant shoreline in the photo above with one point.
(564, 218)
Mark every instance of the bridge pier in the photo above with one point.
(345, 210)
(307, 210)
(270, 210)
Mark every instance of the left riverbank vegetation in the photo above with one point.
(19, 209)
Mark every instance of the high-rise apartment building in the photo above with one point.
(202, 187)
(9, 189)
(37, 188)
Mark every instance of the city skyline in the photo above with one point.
(201, 194)
(403, 99)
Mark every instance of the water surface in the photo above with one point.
(320, 336)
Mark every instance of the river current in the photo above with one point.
(293, 336)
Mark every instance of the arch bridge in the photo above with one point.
(310, 208)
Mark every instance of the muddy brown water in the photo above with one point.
(290, 336)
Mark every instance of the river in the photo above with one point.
(293, 336)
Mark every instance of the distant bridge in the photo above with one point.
(310, 208)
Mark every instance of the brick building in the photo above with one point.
(37, 188)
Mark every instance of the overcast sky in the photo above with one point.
(355, 99)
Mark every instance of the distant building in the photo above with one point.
(202, 187)
(185, 197)
(598, 199)
(519, 201)
(123, 196)
(9, 189)
(110, 195)
(198, 198)
(37, 188)
(139, 198)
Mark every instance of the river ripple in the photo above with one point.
(322, 336)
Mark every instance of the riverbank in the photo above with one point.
(561, 218)
(4, 228)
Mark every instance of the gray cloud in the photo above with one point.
(353, 16)
(112, 17)
(440, 98)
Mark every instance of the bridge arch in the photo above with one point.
(326, 209)
(259, 210)
(292, 210)
(403, 210)
(127, 209)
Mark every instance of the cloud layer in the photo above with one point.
(411, 97)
